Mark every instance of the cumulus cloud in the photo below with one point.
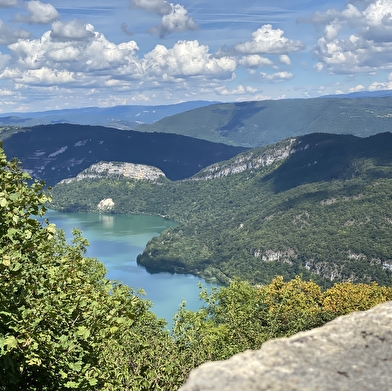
(4, 59)
(277, 77)
(40, 13)
(46, 76)
(7, 36)
(356, 39)
(177, 20)
(377, 86)
(240, 90)
(187, 58)
(74, 55)
(267, 40)
(255, 61)
(63, 51)
(357, 88)
(75, 30)
(8, 3)
(160, 7)
(285, 59)
(175, 17)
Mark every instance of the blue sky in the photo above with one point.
(77, 53)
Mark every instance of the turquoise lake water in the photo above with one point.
(116, 240)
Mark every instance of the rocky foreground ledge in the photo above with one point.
(353, 352)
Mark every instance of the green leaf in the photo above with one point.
(83, 332)
(10, 341)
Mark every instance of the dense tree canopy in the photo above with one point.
(63, 325)
(325, 212)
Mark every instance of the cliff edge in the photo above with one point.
(352, 352)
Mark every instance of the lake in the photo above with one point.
(116, 240)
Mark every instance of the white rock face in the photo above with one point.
(118, 170)
(247, 161)
(105, 205)
(353, 352)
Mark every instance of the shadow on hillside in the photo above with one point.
(326, 157)
(56, 152)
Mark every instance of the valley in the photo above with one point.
(294, 233)
(316, 205)
(313, 204)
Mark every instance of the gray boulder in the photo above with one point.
(352, 352)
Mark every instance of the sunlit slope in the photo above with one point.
(254, 124)
(318, 205)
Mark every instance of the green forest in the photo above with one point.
(260, 123)
(64, 325)
(324, 213)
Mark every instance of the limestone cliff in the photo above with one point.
(118, 170)
(353, 352)
(250, 160)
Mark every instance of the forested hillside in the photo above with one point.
(64, 326)
(56, 152)
(259, 123)
(318, 205)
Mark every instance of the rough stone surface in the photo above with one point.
(247, 161)
(117, 170)
(353, 352)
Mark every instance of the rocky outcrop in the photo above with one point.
(118, 170)
(353, 352)
(248, 161)
(106, 205)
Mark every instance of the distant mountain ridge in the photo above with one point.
(56, 152)
(260, 123)
(121, 117)
(248, 124)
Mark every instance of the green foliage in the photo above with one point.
(63, 325)
(241, 316)
(254, 124)
(323, 213)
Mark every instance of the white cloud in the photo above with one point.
(75, 55)
(357, 39)
(319, 18)
(160, 7)
(277, 77)
(46, 76)
(4, 59)
(357, 88)
(267, 40)
(62, 51)
(175, 17)
(187, 58)
(240, 90)
(75, 30)
(41, 13)
(332, 30)
(377, 86)
(255, 61)
(177, 20)
(4, 92)
(7, 36)
(285, 59)
(8, 3)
